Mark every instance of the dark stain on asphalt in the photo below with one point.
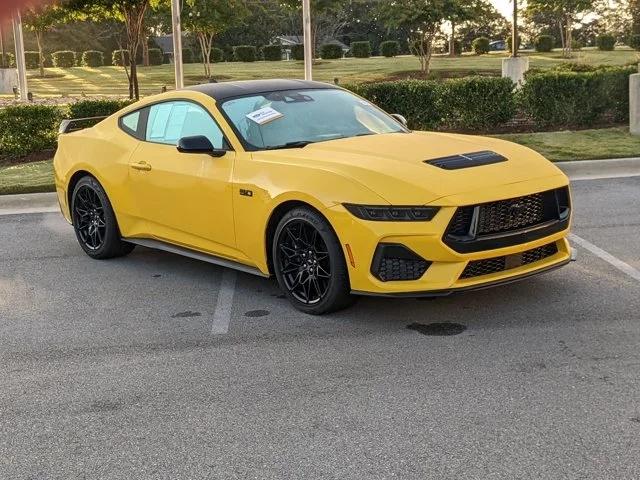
(106, 405)
(635, 419)
(281, 295)
(187, 314)
(157, 275)
(438, 329)
(257, 313)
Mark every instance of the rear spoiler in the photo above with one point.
(75, 124)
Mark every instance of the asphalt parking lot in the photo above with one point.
(159, 367)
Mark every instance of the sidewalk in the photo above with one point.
(577, 171)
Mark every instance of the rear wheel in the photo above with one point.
(309, 263)
(94, 221)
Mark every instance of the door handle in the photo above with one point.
(144, 166)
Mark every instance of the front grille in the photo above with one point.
(393, 262)
(512, 214)
(508, 222)
(478, 268)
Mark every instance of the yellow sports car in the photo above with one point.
(315, 185)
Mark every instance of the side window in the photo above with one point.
(130, 123)
(169, 122)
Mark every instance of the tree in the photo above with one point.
(463, 11)
(490, 24)
(422, 18)
(325, 14)
(40, 19)
(208, 18)
(131, 13)
(565, 12)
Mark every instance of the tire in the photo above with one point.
(95, 223)
(309, 263)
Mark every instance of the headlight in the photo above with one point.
(392, 214)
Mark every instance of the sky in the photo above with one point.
(505, 7)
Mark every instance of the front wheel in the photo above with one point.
(95, 222)
(309, 263)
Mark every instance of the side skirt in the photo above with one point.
(186, 252)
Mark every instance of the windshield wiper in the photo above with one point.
(297, 144)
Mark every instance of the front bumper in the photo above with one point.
(445, 272)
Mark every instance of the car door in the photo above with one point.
(183, 198)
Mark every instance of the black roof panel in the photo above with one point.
(224, 90)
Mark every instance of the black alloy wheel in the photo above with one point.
(88, 217)
(309, 263)
(95, 222)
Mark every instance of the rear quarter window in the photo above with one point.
(132, 124)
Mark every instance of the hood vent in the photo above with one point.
(467, 160)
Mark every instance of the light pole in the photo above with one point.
(177, 43)
(20, 61)
(308, 50)
(514, 30)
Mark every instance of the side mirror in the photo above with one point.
(199, 144)
(400, 118)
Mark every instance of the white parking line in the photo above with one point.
(606, 256)
(25, 211)
(222, 313)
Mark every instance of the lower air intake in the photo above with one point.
(478, 268)
(393, 262)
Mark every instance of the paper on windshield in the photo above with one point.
(264, 115)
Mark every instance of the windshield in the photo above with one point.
(295, 118)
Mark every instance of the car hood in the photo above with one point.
(393, 165)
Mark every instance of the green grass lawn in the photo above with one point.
(556, 146)
(580, 145)
(27, 178)
(113, 81)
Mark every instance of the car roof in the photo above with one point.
(224, 90)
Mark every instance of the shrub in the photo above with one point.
(576, 45)
(457, 47)
(63, 59)
(38, 129)
(544, 43)
(476, 103)
(96, 108)
(566, 98)
(245, 53)
(155, 56)
(117, 58)
(217, 55)
(634, 41)
(606, 42)
(188, 56)
(480, 45)
(297, 51)
(92, 58)
(32, 60)
(228, 53)
(415, 99)
(167, 57)
(361, 49)
(10, 60)
(389, 48)
(272, 53)
(330, 51)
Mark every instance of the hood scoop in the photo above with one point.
(467, 160)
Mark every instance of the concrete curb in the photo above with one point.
(592, 169)
(578, 170)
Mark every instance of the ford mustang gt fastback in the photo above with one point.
(316, 186)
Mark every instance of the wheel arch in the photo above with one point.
(274, 219)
